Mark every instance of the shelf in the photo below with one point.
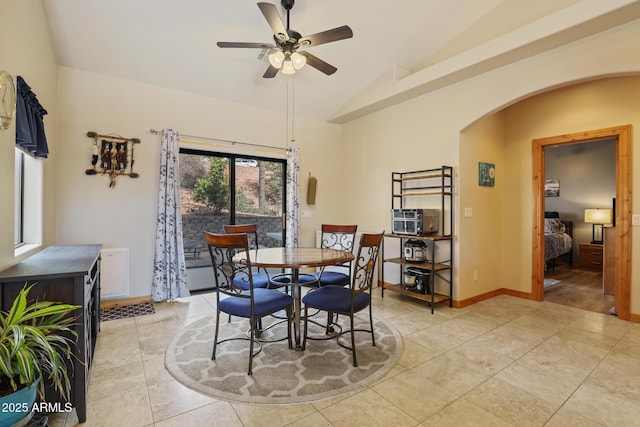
(423, 193)
(424, 176)
(423, 237)
(434, 186)
(437, 298)
(422, 265)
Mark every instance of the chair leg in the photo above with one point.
(289, 320)
(306, 322)
(353, 343)
(253, 325)
(215, 338)
(329, 329)
(373, 337)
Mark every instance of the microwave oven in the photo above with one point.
(415, 222)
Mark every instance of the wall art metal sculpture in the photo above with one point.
(112, 156)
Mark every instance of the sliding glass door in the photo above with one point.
(221, 188)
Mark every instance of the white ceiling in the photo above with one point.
(172, 43)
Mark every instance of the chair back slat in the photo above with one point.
(340, 237)
(223, 248)
(365, 262)
(250, 229)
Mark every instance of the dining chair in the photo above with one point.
(251, 302)
(342, 238)
(339, 237)
(261, 279)
(349, 300)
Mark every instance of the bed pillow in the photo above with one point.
(553, 225)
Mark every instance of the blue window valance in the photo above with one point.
(29, 121)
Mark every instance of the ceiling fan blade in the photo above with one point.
(270, 12)
(246, 45)
(335, 34)
(271, 72)
(318, 63)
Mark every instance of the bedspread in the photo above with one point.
(556, 244)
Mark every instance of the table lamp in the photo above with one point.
(597, 217)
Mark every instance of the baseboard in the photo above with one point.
(487, 295)
(123, 301)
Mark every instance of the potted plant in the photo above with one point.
(36, 339)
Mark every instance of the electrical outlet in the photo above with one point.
(475, 275)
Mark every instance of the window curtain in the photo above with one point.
(293, 198)
(30, 134)
(169, 268)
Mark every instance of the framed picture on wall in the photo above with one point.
(551, 188)
(486, 174)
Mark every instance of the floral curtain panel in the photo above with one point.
(293, 198)
(169, 269)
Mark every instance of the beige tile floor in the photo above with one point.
(504, 361)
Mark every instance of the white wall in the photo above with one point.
(353, 164)
(426, 132)
(124, 216)
(27, 53)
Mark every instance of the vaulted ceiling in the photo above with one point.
(172, 44)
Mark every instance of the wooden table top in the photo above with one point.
(295, 257)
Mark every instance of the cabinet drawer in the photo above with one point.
(591, 256)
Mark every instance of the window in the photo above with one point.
(18, 234)
(28, 182)
(221, 188)
(28, 208)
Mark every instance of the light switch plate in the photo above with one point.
(635, 219)
(468, 212)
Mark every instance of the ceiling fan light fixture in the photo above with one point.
(298, 60)
(288, 67)
(276, 59)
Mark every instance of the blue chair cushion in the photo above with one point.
(260, 280)
(266, 301)
(336, 299)
(334, 278)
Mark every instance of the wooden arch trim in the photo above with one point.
(623, 210)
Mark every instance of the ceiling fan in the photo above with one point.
(287, 54)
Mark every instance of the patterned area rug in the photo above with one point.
(280, 375)
(124, 311)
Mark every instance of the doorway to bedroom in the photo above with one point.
(579, 177)
(585, 272)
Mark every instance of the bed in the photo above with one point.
(558, 239)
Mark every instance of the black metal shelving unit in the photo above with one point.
(425, 183)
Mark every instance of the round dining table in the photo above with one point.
(295, 259)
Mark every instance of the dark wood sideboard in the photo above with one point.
(69, 274)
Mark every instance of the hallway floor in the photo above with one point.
(504, 361)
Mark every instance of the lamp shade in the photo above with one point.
(597, 216)
(276, 59)
(298, 60)
(287, 67)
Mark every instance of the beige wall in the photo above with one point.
(439, 127)
(28, 54)
(353, 163)
(599, 104)
(481, 236)
(125, 216)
